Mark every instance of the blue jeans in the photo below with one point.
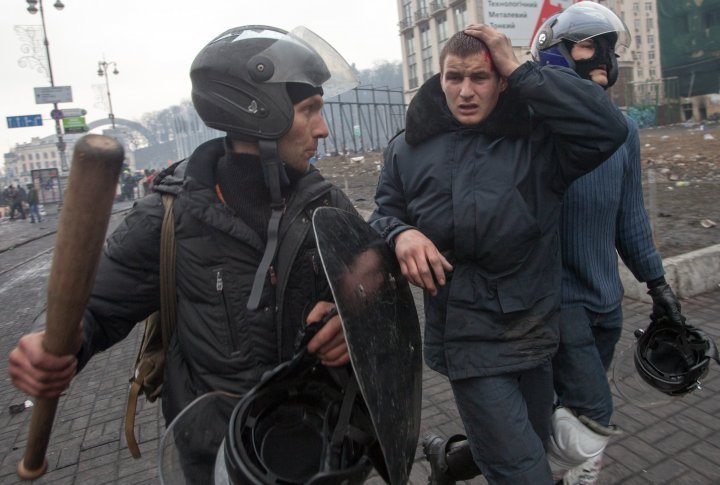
(507, 420)
(587, 345)
(35, 212)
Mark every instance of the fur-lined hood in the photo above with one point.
(428, 115)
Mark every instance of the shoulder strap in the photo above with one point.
(168, 298)
(167, 313)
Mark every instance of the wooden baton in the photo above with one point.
(81, 232)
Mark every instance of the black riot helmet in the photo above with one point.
(581, 21)
(673, 358)
(239, 79)
(243, 83)
(304, 423)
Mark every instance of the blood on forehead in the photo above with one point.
(486, 55)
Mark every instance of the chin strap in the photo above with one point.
(274, 176)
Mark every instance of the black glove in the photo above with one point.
(665, 304)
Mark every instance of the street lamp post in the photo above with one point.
(58, 130)
(103, 71)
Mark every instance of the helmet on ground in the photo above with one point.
(581, 21)
(673, 358)
(240, 79)
(303, 423)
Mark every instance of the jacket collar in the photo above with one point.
(428, 115)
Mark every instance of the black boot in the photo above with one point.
(450, 460)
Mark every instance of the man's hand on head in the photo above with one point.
(499, 45)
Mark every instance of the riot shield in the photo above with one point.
(382, 330)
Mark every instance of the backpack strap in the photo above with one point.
(168, 311)
(135, 388)
(168, 298)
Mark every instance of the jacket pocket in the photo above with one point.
(507, 232)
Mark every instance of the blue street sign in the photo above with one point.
(24, 120)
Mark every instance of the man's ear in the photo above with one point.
(503, 83)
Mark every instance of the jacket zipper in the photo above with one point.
(219, 287)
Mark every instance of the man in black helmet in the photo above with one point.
(247, 270)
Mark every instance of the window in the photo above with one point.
(407, 10)
(681, 24)
(652, 73)
(22, 158)
(637, 24)
(409, 44)
(442, 36)
(648, 6)
(649, 23)
(638, 40)
(460, 17)
(424, 36)
(711, 18)
(640, 73)
(45, 155)
(636, 7)
(426, 47)
(422, 12)
(412, 74)
(650, 39)
(427, 67)
(651, 55)
(24, 168)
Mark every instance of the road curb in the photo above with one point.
(689, 274)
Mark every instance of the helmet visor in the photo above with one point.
(585, 20)
(302, 56)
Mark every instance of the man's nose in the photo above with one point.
(321, 129)
(466, 88)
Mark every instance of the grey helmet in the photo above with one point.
(239, 79)
(581, 21)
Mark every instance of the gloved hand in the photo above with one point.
(665, 303)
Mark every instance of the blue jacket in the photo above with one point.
(490, 197)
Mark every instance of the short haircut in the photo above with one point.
(461, 45)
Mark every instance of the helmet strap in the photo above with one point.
(274, 176)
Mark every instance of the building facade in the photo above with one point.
(36, 154)
(42, 153)
(425, 26)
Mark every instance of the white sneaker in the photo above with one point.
(585, 474)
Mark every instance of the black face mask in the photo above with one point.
(604, 56)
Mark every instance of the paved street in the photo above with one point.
(678, 443)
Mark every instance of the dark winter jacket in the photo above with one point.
(489, 197)
(32, 197)
(218, 343)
